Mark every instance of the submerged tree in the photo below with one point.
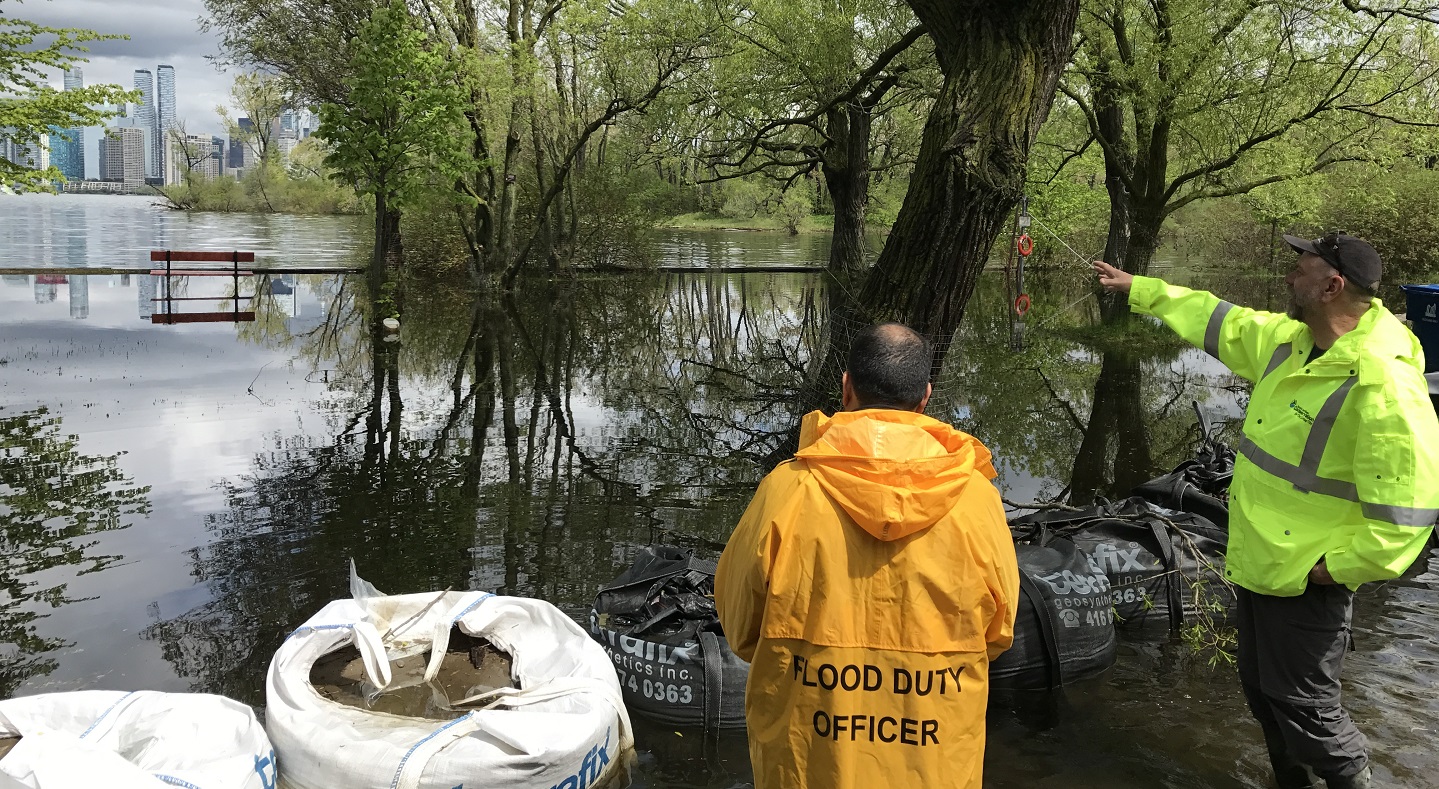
(1001, 65)
(399, 125)
(796, 93)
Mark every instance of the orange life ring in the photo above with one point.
(1021, 304)
(1025, 244)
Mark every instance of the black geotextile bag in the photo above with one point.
(1064, 627)
(1199, 485)
(1162, 565)
(658, 624)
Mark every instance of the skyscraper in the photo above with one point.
(145, 119)
(67, 146)
(67, 152)
(165, 102)
(122, 156)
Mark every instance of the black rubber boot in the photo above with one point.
(1360, 780)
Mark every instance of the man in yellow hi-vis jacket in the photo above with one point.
(869, 584)
(1336, 483)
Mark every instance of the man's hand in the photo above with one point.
(1111, 278)
(1319, 574)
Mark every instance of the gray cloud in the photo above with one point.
(160, 31)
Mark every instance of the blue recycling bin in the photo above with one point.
(1422, 310)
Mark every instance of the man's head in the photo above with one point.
(1334, 274)
(888, 368)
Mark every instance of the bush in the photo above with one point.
(794, 207)
(742, 199)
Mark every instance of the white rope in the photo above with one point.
(1082, 259)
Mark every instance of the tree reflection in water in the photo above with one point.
(528, 445)
(524, 445)
(52, 497)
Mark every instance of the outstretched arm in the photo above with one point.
(1244, 340)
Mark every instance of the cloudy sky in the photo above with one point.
(160, 31)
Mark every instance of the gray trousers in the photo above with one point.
(1291, 650)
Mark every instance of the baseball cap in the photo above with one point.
(1350, 256)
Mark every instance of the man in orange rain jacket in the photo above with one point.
(869, 584)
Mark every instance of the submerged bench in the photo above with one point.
(170, 257)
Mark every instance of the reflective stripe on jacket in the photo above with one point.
(869, 583)
(1340, 456)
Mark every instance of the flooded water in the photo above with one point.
(177, 498)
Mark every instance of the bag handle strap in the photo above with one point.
(417, 758)
(372, 654)
(1036, 600)
(1171, 571)
(440, 641)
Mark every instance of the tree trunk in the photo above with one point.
(1001, 65)
(846, 172)
(509, 190)
(389, 254)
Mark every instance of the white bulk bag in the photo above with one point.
(565, 726)
(140, 740)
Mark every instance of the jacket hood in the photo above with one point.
(894, 472)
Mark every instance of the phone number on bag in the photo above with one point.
(659, 691)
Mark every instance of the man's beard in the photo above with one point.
(1297, 306)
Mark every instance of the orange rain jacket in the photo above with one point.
(869, 584)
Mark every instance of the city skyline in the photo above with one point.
(162, 33)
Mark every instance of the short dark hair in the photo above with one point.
(889, 366)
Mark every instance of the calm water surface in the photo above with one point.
(205, 485)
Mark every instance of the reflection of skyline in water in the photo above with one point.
(281, 295)
(528, 446)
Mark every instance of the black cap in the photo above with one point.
(1350, 256)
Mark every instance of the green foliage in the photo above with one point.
(1391, 206)
(29, 106)
(1394, 209)
(1194, 100)
(402, 124)
(794, 207)
(885, 198)
(262, 98)
(744, 199)
(265, 188)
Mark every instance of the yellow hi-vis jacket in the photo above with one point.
(869, 584)
(1340, 456)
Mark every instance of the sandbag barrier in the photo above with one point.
(657, 622)
(1161, 564)
(140, 739)
(564, 724)
(1064, 626)
(1199, 485)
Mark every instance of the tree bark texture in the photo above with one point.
(845, 163)
(1001, 65)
